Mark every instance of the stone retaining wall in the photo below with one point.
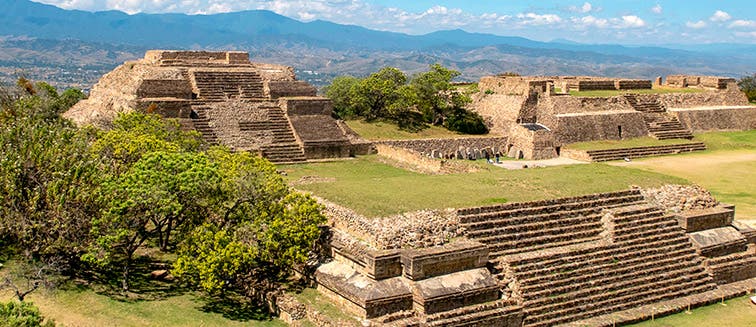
(729, 97)
(707, 119)
(571, 128)
(449, 148)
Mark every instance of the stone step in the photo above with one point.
(534, 264)
(608, 275)
(608, 294)
(528, 223)
(472, 315)
(634, 230)
(515, 247)
(560, 275)
(468, 220)
(591, 224)
(544, 203)
(620, 304)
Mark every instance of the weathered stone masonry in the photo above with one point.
(230, 100)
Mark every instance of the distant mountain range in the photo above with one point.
(38, 38)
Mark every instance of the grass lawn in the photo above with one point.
(389, 131)
(628, 143)
(158, 304)
(611, 93)
(738, 312)
(314, 299)
(376, 189)
(727, 168)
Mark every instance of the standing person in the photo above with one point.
(498, 154)
(488, 156)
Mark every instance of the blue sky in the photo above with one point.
(616, 21)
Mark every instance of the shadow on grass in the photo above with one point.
(235, 308)
(142, 287)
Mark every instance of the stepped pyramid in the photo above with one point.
(246, 106)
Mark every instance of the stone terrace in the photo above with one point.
(560, 261)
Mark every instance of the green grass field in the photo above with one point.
(380, 130)
(738, 312)
(373, 188)
(611, 93)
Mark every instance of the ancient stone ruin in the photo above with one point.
(247, 106)
(538, 116)
(594, 260)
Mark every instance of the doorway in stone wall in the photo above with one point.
(619, 131)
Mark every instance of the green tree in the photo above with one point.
(341, 93)
(47, 177)
(162, 193)
(260, 232)
(747, 84)
(21, 314)
(134, 134)
(374, 95)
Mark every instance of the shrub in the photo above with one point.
(466, 122)
(21, 314)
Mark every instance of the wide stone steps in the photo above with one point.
(472, 315)
(621, 303)
(543, 270)
(732, 262)
(530, 223)
(284, 153)
(610, 273)
(639, 152)
(592, 295)
(228, 85)
(519, 246)
(488, 219)
(202, 125)
(591, 224)
(543, 203)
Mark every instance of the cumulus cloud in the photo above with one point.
(590, 21)
(657, 9)
(537, 19)
(720, 16)
(743, 24)
(696, 25)
(631, 21)
(585, 8)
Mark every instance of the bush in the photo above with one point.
(748, 85)
(21, 314)
(466, 122)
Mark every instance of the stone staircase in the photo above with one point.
(645, 257)
(645, 151)
(285, 147)
(225, 85)
(660, 125)
(485, 314)
(530, 226)
(732, 267)
(202, 124)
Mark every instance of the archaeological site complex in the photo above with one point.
(592, 260)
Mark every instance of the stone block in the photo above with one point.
(361, 295)
(698, 220)
(455, 290)
(719, 241)
(429, 262)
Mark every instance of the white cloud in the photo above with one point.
(585, 8)
(696, 25)
(743, 24)
(631, 21)
(720, 16)
(590, 21)
(537, 19)
(657, 9)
